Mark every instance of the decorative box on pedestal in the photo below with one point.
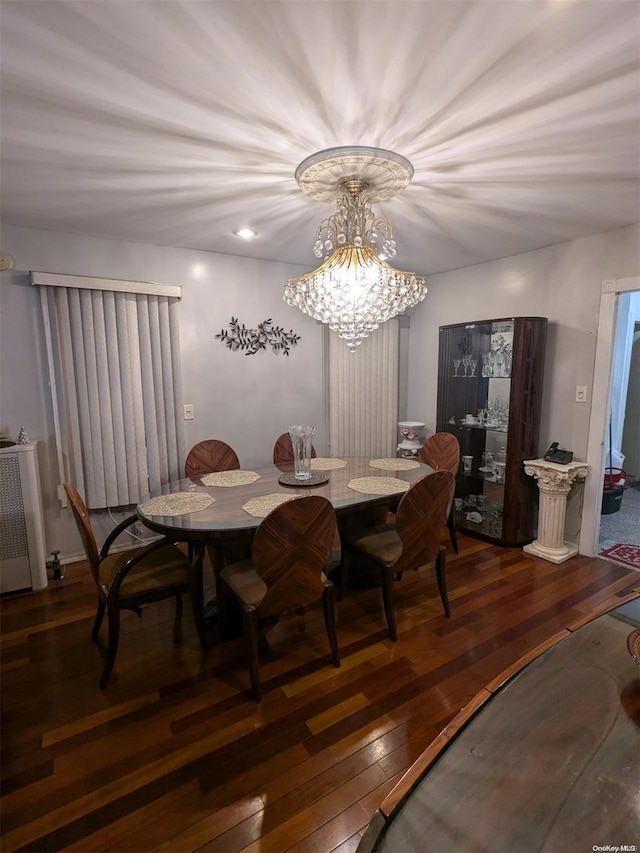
(411, 437)
(554, 484)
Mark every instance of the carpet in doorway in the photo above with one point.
(627, 554)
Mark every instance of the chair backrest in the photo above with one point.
(290, 549)
(283, 449)
(442, 451)
(81, 517)
(209, 456)
(421, 518)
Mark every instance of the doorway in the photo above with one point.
(620, 519)
(607, 412)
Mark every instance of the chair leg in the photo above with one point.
(388, 584)
(98, 620)
(251, 640)
(177, 622)
(329, 607)
(113, 618)
(344, 571)
(451, 524)
(442, 580)
(195, 591)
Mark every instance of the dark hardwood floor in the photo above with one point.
(175, 756)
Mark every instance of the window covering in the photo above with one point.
(363, 394)
(116, 387)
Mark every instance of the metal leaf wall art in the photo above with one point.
(251, 341)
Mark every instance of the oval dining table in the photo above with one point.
(225, 525)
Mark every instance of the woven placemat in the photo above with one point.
(178, 504)
(259, 507)
(325, 463)
(394, 464)
(378, 485)
(230, 478)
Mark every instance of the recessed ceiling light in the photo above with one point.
(245, 233)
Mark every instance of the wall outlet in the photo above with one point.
(188, 412)
(581, 393)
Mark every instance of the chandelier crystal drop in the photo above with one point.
(353, 291)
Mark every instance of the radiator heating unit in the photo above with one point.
(22, 547)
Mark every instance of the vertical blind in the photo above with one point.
(363, 394)
(116, 389)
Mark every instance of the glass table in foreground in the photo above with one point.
(549, 762)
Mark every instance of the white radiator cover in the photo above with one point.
(22, 546)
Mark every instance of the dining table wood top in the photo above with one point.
(226, 516)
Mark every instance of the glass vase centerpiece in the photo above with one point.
(411, 437)
(302, 441)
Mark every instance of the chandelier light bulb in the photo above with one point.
(353, 291)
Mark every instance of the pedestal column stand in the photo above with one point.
(554, 482)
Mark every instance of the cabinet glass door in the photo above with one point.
(474, 405)
(489, 397)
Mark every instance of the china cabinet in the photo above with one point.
(489, 397)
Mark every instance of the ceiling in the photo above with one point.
(175, 123)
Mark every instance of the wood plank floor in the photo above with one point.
(175, 756)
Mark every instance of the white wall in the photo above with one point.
(562, 283)
(248, 401)
(245, 400)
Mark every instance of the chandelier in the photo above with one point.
(354, 289)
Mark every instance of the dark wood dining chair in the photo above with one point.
(285, 572)
(442, 452)
(209, 456)
(412, 541)
(283, 449)
(128, 579)
(283, 455)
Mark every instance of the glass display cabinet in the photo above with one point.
(489, 397)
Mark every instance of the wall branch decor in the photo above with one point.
(251, 341)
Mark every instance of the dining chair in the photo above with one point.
(285, 572)
(283, 454)
(442, 452)
(283, 449)
(209, 456)
(412, 541)
(128, 579)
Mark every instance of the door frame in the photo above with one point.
(600, 406)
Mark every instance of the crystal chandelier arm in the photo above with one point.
(354, 224)
(381, 229)
(326, 237)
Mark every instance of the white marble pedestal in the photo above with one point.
(554, 483)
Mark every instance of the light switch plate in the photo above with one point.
(581, 393)
(188, 412)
